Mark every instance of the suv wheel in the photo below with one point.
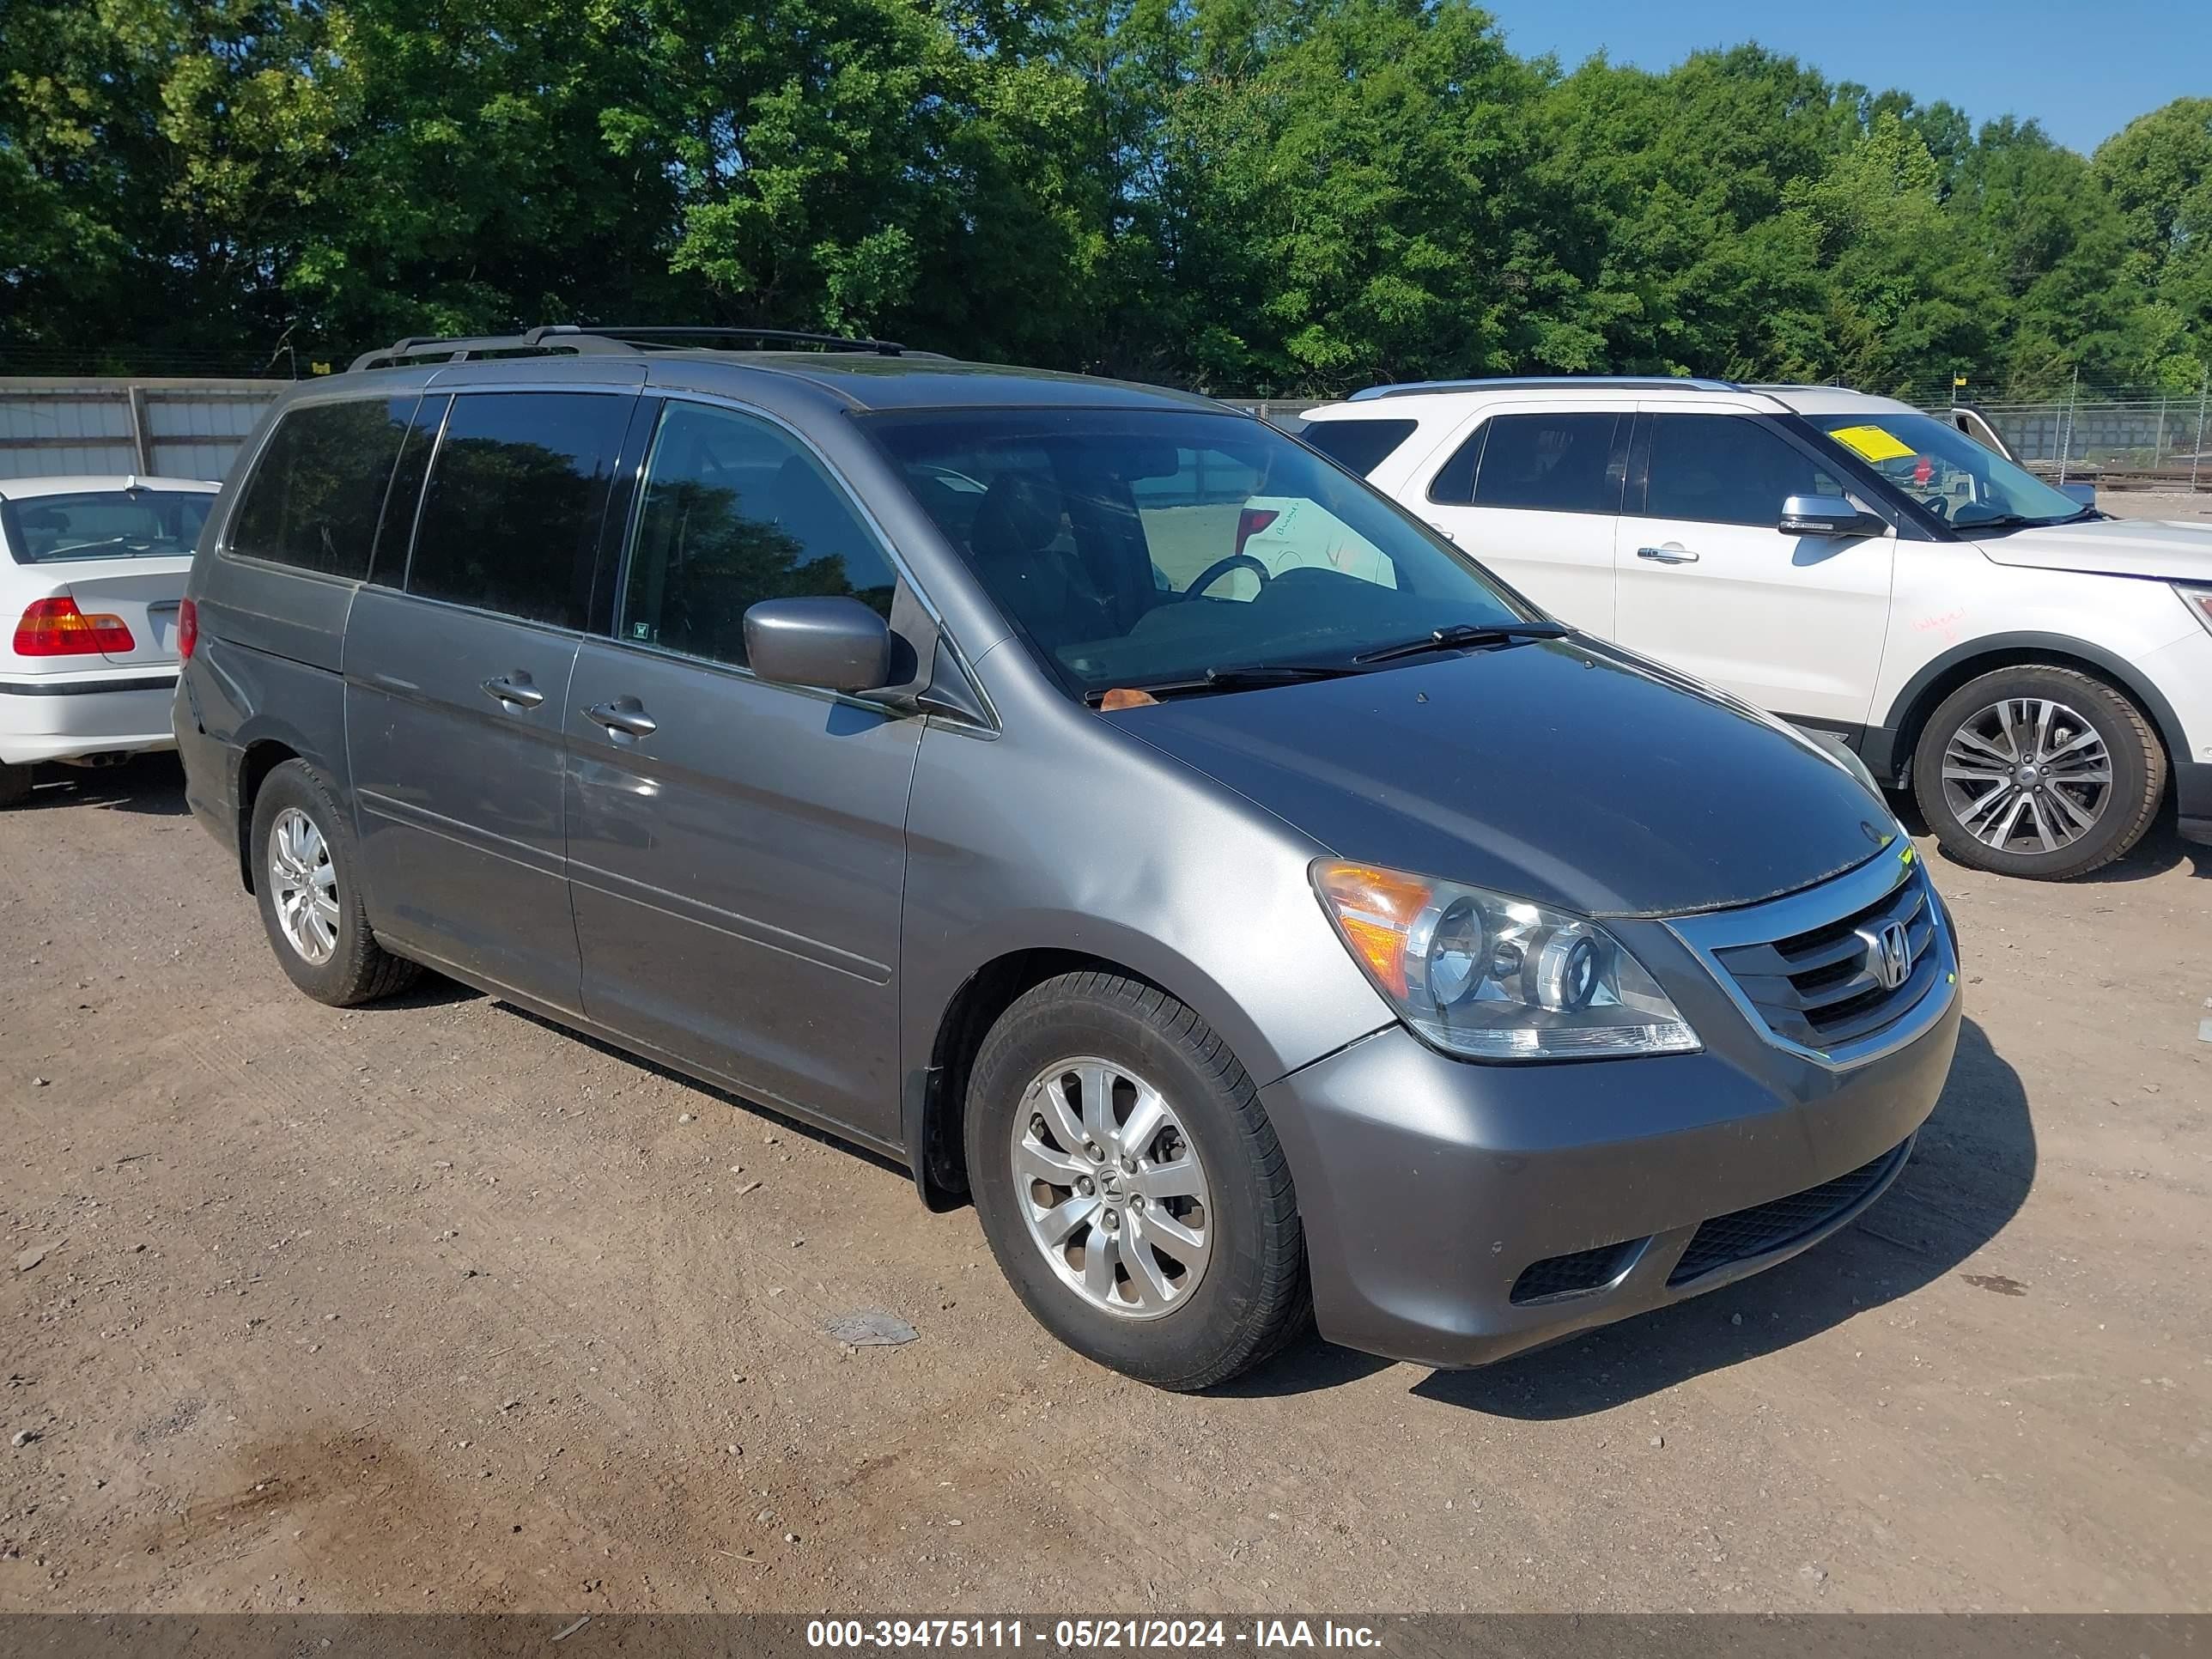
(2039, 772)
(1131, 1186)
(303, 878)
(15, 784)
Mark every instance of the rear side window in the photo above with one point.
(510, 517)
(735, 512)
(1356, 445)
(1562, 463)
(315, 494)
(1728, 469)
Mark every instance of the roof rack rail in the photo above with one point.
(1510, 382)
(593, 340)
(667, 337)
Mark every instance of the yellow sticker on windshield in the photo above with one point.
(1872, 442)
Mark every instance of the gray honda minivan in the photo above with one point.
(917, 747)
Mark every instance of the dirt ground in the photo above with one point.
(429, 1305)
(2154, 504)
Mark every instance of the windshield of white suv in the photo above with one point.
(1948, 473)
(105, 524)
(1159, 550)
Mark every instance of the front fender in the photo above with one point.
(1080, 841)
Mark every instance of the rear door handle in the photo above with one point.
(1670, 553)
(626, 716)
(514, 690)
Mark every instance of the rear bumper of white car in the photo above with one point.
(66, 717)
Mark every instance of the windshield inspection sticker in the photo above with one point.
(1871, 442)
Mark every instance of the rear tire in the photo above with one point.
(2038, 771)
(1201, 1269)
(16, 784)
(304, 878)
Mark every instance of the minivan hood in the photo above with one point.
(2163, 548)
(1563, 771)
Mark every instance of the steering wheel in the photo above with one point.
(1220, 568)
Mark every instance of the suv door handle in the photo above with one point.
(1671, 553)
(631, 721)
(514, 690)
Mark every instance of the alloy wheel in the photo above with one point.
(1111, 1188)
(2028, 774)
(305, 885)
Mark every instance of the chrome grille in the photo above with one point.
(1809, 967)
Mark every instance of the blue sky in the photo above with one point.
(2085, 69)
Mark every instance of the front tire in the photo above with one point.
(304, 879)
(1131, 1186)
(2038, 771)
(15, 784)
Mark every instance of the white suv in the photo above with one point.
(2035, 671)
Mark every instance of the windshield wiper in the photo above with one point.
(1242, 677)
(2024, 521)
(1461, 635)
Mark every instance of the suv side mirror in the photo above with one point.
(837, 644)
(2084, 493)
(1828, 515)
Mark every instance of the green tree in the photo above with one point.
(2158, 175)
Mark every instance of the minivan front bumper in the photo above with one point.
(1457, 1212)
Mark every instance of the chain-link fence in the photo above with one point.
(2149, 440)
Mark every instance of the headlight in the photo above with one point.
(2199, 600)
(1493, 977)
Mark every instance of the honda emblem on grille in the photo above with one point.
(1888, 954)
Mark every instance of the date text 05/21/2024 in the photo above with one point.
(1088, 1635)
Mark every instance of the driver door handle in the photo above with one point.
(514, 690)
(631, 722)
(1671, 553)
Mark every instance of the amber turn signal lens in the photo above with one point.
(1375, 908)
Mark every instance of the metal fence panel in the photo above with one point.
(181, 429)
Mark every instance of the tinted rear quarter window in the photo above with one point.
(1562, 463)
(318, 489)
(510, 517)
(1358, 445)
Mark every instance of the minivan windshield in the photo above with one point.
(1149, 548)
(1958, 480)
(105, 524)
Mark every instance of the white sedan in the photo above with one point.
(92, 574)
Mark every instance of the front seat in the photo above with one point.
(1021, 556)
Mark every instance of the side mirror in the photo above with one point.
(839, 645)
(1828, 515)
(2084, 493)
